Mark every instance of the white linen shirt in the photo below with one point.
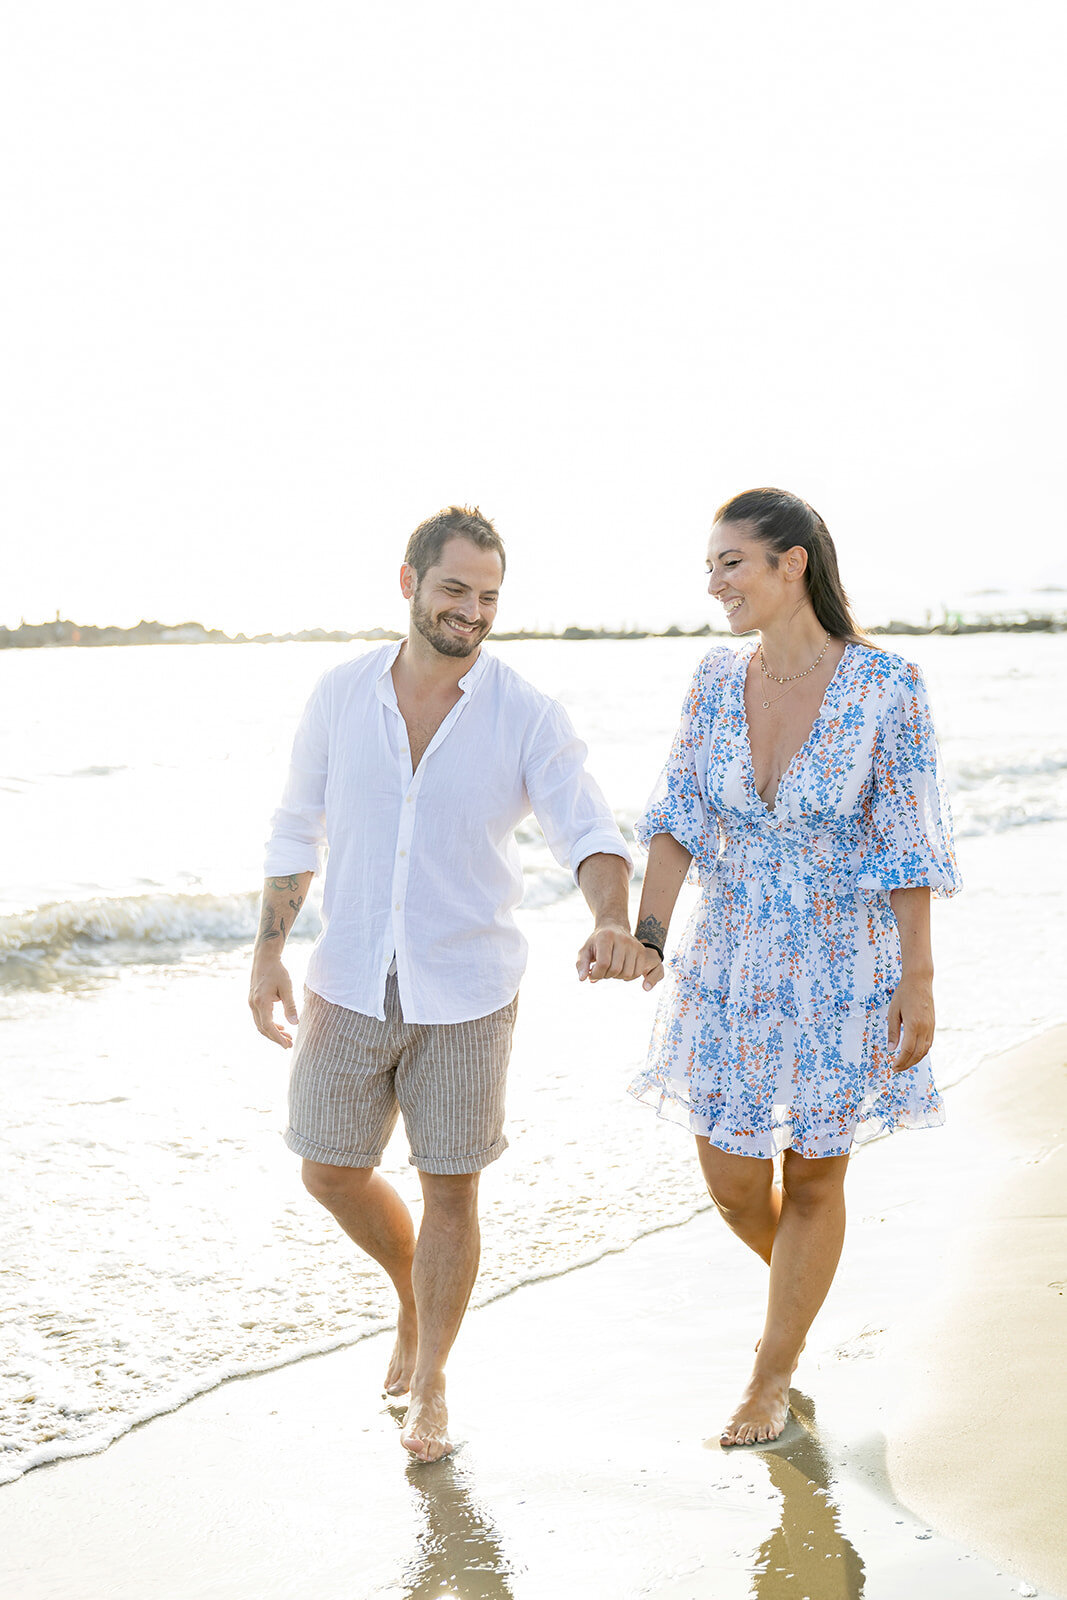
(424, 863)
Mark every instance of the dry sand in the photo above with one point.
(919, 1464)
(987, 1360)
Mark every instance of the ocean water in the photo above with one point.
(154, 1237)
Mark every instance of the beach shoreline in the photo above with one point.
(600, 1392)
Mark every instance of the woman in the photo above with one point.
(804, 789)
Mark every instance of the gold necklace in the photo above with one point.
(774, 702)
(795, 675)
(791, 679)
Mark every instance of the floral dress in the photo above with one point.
(772, 1025)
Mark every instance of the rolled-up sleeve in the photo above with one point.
(574, 815)
(298, 827)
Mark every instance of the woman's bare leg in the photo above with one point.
(804, 1255)
(744, 1193)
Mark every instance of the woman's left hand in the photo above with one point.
(911, 1021)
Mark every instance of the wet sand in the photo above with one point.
(919, 1461)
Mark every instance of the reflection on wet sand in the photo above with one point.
(807, 1554)
(460, 1553)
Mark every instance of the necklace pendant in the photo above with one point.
(766, 705)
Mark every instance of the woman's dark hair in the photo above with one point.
(782, 521)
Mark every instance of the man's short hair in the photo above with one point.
(454, 522)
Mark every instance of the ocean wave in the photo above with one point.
(979, 821)
(990, 795)
(16, 783)
(91, 772)
(41, 947)
(92, 1431)
(545, 886)
(85, 1429)
(990, 769)
(50, 945)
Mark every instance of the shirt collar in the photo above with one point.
(383, 686)
(390, 656)
(472, 678)
(469, 681)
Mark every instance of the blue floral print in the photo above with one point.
(772, 1027)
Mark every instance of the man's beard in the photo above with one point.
(444, 642)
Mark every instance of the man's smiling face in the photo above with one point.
(454, 604)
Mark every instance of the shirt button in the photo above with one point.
(410, 798)
(397, 906)
(403, 852)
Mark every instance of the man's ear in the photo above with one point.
(409, 580)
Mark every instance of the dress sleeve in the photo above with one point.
(907, 821)
(678, 804)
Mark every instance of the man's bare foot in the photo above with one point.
(425, 1430)
(762, 1414)
(402, 1362)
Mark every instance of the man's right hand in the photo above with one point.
(271, 985)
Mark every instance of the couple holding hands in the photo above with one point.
(803, 789)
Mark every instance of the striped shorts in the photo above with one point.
(352, 1074)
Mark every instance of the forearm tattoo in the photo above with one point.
(272, 922)
(270, 926)
(651, 931)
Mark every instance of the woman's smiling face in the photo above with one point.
(750, 590)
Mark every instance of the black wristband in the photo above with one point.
(650, 946)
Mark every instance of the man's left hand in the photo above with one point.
(611, 951)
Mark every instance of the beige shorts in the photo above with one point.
(352, 1074)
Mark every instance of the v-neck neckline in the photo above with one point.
(750, 766)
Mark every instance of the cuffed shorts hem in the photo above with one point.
(329, 1158)
(457, 1166)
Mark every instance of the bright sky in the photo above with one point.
(280, 280)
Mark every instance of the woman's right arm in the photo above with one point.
(668, 864)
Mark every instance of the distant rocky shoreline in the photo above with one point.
(62, 633)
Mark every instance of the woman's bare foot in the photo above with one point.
(425, 1430)
(402, 1362)
(800, 1352)
(762, 1414)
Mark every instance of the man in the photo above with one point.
(415, 762)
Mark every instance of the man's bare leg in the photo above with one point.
(804, 1256)
(442, 1276)
(374, 1216)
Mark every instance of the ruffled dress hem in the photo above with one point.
(765, 1144)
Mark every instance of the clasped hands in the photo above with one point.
(611, 951)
